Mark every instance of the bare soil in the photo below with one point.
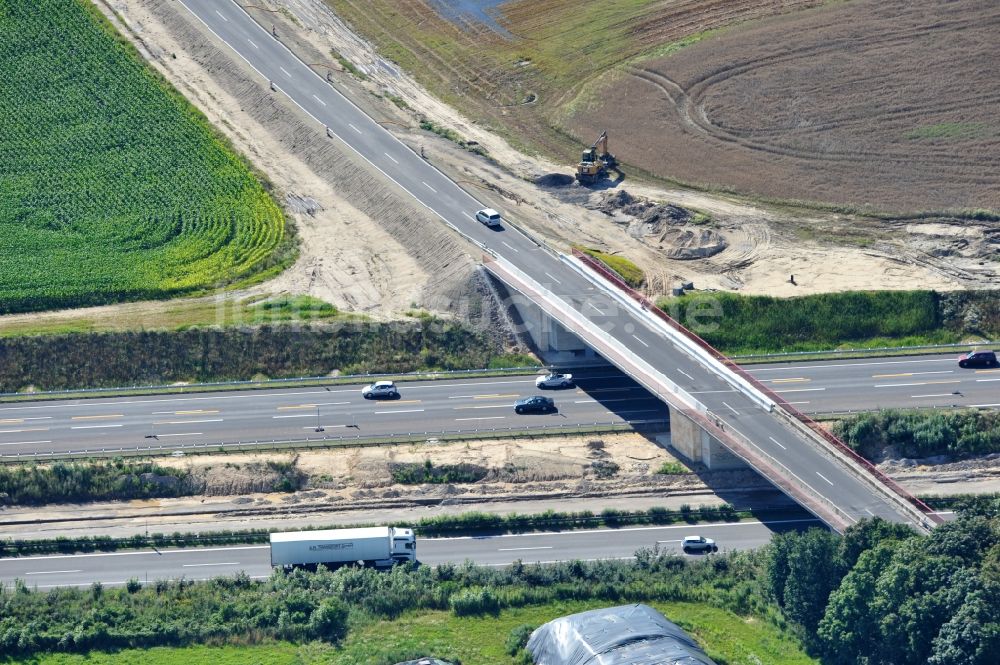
(877, 104)
(354, 485)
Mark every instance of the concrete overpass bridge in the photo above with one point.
(719, 413)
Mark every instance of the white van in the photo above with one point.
(489, 217)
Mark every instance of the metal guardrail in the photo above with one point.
(779, 401)
(344, 440)
(878, 349)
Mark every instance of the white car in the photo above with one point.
(698, 544)
(554, 380)
(380, 390)
(489, 217)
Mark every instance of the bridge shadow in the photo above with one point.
(743, 488)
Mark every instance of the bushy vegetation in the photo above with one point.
(114, 186)
(882, 595)
(416, 474)
(738, 324)
(626, 269)
(302, 606)
(672, 469)
(120, 480)
(754, 324)
(922, 433)
(202, 354)
(73, 482)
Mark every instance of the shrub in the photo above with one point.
(475, 601)
(518, 638)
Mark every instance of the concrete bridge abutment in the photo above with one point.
(696, 445)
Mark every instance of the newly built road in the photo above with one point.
(115, 568)
(602, 395)
(805, 466)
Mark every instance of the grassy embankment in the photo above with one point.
(117, 188)
(727, 637)
(721, 599)
(737, 324)
(277, 350)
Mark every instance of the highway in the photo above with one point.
(813, 470)
(175, 422)
(115, 568)
(602, 395)
(881, 383)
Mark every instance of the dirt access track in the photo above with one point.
(874, 104)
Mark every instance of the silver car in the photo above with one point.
(554, 380)
(380, 390)
(698, 544)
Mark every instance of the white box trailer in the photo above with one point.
(373, 546)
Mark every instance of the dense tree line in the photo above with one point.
(322, 605)
(882, 595)
(922, 433)
(206, 354)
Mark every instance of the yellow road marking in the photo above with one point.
(797, 380)
(493, 396)
(987, 371)
(12, 421)
(889, 376)
(116, 415)
(298, 406)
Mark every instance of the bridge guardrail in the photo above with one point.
(815, 428)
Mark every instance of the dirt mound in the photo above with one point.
(663, 225)
(687, 244)
(554, 180)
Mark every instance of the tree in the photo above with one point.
(847, 629)
(866, 534)
(915, 595)
(814, 571)
(972, 635)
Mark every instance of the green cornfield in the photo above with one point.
(112, 186)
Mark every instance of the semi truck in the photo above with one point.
(379, 546)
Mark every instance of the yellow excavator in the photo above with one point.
(595, 161)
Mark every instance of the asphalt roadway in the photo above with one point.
(602, 395)
(115, 568)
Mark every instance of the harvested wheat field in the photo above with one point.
(513, 64)
(879, 104)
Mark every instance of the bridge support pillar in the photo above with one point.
(552, 342)
(696, 445)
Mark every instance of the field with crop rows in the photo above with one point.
(112, 186)
(889, 104)
(515, 63)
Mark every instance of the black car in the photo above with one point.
(536, 404)
(978, 359)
